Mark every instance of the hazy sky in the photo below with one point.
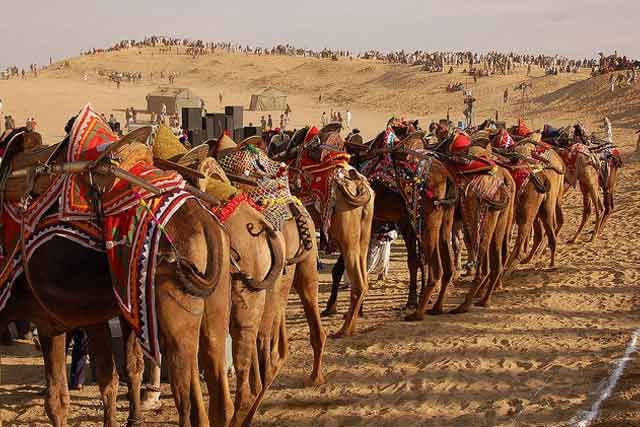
(31, 31)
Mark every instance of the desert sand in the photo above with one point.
(537, 357)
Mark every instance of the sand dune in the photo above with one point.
(535, 358)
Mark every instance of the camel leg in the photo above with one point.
(559, 213)
(586, 212)
(495, 259)
(336, 275)
(482, 270)
(151, 396)
(412, 263)
(528, 212)
(448, 261)
(548, 221)
(431, 257)
(246, 313)
(306, 284)
(56, 400)
(134, 366)
(608, 195)
(179, 323)
(106, 374)
(537, 241)
(273, 349)
(355, 266)
(599, 208)
(212, 339)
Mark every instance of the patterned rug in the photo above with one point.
(315, 183)
(131, 240)
(272, 193)
(134, 221)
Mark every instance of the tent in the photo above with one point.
(175, 98)
(268, 100)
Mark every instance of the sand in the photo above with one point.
(535, 358)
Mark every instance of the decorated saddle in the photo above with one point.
(272, 194)
(105, 214)
(570, 158)
(320, 165)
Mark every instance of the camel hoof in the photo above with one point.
(411, 306)
(435, 311)
(329, 311)
(482, 303)
(315, 381)
(459, 310)
(414, 317)
(342, 334)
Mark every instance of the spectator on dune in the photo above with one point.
(269, 122)
(323, 119)
(348, 118)
(608, 130)
(263, 124)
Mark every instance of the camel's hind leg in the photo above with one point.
(431, 259)
(525, 217)
(56, 400)
(306, 284)
(586, 211)
(134, 369)
(609, 204)
(448, 260)
(599, 208)
(247, 307)
(106, 374)
(212, 339)
(337, 272)
(482, 270)
(495, 259)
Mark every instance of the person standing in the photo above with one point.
(263, 124)
(269, 122)
(323, 119)
(608, 131)
(5, 118)
(79, 359)
(348, 118)
(506, 95)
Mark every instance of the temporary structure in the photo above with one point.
(268, 100)
(175, 98)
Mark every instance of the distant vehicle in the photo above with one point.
(4, 75)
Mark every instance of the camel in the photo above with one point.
(349, 224)
(434, 243)
(491, 244)
(550, 218)
(59, 302)
(261, 319)
(585, 174)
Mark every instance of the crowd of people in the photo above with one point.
(337, 117)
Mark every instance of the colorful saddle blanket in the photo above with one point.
(570, 157)
(134, 221)
(272, 193)
(406, 175)
(314, 182)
